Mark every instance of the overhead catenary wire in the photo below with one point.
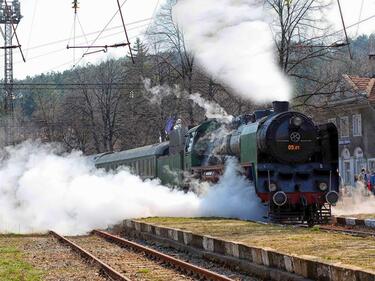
(83, 32)
(55, 68)
(88, 34)
(64, 49)
(339, 30)
(153, 15)
(145, 20)
(360, 16)
(101, 32)
(346, 34)
(126, 33)
(32, 26)
(72, 86)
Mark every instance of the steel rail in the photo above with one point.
(346, 231)
(179, 264)
(113, 274)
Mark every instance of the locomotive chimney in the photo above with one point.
(280, 106)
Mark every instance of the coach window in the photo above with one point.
(344, 126)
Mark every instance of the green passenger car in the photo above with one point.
(141, 161)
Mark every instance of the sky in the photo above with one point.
(47, 21)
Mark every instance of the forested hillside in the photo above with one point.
(116, 104)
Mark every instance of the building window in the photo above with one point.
(344, 126)
(347, 172)
(332, 120)
(357, 125)
(371, 165)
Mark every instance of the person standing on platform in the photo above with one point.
(364, 178)
(372, 182)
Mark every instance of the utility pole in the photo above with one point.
(10, 16)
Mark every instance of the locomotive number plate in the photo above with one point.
(293, 147)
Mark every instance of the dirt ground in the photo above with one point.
(328, 247)
(34, 258)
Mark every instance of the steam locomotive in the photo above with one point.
(292, 162)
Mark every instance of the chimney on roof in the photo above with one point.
(371, 55)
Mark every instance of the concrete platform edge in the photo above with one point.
(262, 262)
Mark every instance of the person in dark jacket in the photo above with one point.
(372, 182)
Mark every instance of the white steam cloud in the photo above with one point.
(233, 41)
(356, 200)
(42, 189)
(212, 109)
(159, 92)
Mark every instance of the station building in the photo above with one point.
(353, 112)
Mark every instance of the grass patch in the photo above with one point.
(329, 247)
(144, 271)
(14, 268)
(315, 228)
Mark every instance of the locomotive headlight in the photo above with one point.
(297, 121)
(272, 187)
(323, 186)
(332, 197)
(280, 198)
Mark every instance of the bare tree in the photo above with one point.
(48, 113)
(167, 36)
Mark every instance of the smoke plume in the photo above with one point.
(43, 189)
(356, 200)
(212, 109)
(233, 42)
(158, 92)
(226, 198)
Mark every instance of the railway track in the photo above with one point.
(347, 230)
(132, 261)
(350, 230)
(365, 232)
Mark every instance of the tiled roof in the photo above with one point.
(362, 85)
